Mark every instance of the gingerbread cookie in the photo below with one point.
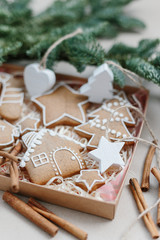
(11, 99)
(8, 134)
(63, 105)
(106, 122)
(90, 180)
(116, 106)
(28, 124)
(49, 155)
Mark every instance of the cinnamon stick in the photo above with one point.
(69, 227)
(14, 174)
(29, 213)
(9, 156)
(146, 171)
(141, 209)
(142, 200)
(158, 209)
(156, 173)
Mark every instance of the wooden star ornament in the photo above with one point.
(107, 154)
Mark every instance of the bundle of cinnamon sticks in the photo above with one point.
(142, 206)
(42, 217)
(145, 186)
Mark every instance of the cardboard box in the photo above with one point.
(104, 209)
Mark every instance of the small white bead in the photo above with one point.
(104, 121)
(117, 119)
(113, 131)
(118, 134)
(115, 104)
(97, 120)
(109, 105)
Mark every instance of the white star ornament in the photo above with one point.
(107, 154)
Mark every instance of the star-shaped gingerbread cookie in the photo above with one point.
(90, 180)
(28, 124)
(63, 105)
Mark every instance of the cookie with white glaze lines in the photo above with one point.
(11, 98)
(28, 124)
(49, 154)
(8, 134)
(117, 106)
(63, 105)
(90, 180)
(103, 123)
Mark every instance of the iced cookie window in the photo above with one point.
(40, 159)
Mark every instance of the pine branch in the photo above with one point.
(143, 69)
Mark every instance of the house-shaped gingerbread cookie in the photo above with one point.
(50, 154)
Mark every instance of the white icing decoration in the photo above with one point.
(103, 128)
(2, 127)
(118, 134)
(124, 135)
(97, 120)
(22, 164)
(104, 121)
(98, 125)
(113, 131)
(115, 114)
(40, 159)
(115, 104)
(121, 115)
(109, 105)
(6, 89)
(67, 149)
(126, 118)
(92, 123)
(112, 120)
(73, 158)
(117, 119)
(107, 154)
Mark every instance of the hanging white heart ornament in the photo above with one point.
(38, 80)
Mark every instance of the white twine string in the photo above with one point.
(55, 44)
